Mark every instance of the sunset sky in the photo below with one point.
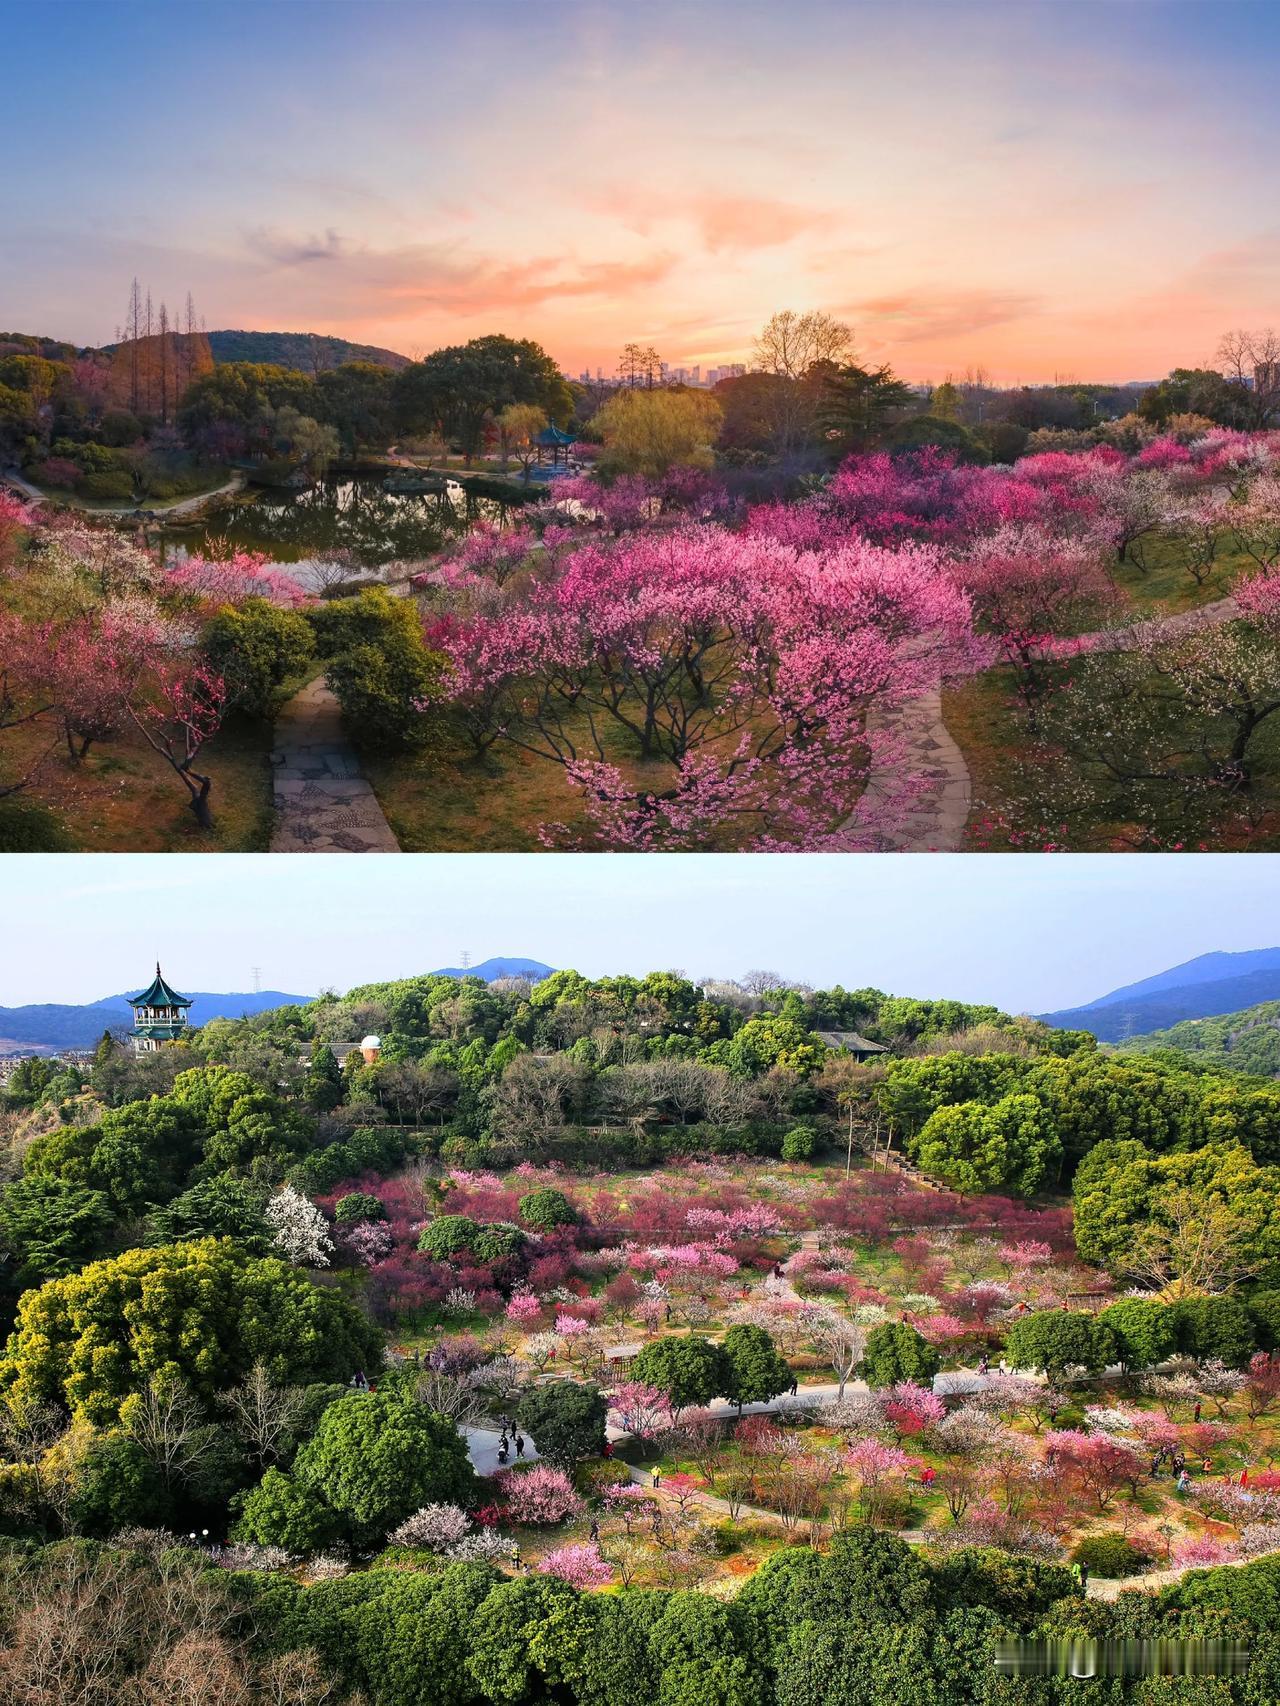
(1077, 189)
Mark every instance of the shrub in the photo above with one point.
(594, 1479)
(256, 647)
(384, 677)
(896, 1352)
(799, 1144)
(546, 1208)
(282, 1512)
(110, 486)
(358, 1205)
(1109, 1555)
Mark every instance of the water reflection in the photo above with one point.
(346, 514)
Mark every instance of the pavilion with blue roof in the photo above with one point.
(159, 1015)
(557, 442)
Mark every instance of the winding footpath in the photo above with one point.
(930, 818)
(323, 801)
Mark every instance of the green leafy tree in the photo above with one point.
(324, 1086)
(770, 1040)
(546, 1208)
(414, 1635)
(1145, 1330)
(1010, 1146)
(799, 1144)
(52, 1226)
(226, 1206)
(706, 1652)
(895, 1351)
(860, 1663)
(138, 1154)
(621, 1666)
(203, 1312)
(689, 1371)
(1018, 1589)
(28, 1082)
(1264, 1312)
(375, 1458)
(530, 1641)
(566, 1420)
(358, 1205)
(458, 390)
(446, 1237)
(1053, 1340)
(1215, 1327)
(282, 1511)
(757, 1371)
(914, 1089)
(117, 1485)
(857, 404)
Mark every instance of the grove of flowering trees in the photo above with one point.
(701, 686)
(705, 676)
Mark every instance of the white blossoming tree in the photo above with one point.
(299, 1231)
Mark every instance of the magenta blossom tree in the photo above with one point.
(739, 673)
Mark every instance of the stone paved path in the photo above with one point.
(933, 820)
(323, 802)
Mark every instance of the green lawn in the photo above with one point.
(1002, 755)
(123, 798)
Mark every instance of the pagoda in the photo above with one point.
(159, 1015)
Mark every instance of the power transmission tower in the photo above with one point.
(257, 979)
(466, 959)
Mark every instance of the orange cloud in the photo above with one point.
(918, 316)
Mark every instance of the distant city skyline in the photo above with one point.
(1029, 935)
(1038, 189)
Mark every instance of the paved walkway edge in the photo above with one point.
(323, 802)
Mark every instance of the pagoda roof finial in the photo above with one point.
(159, 995)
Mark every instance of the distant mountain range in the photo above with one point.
(49, 1026)
(307, 352)
(1205, 987)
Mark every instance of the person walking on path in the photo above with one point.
(519, 1444)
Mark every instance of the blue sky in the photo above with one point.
(1031, 933)
(1080, 187)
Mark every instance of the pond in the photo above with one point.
(347, 513)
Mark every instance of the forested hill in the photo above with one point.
(1245, 1042)
(307, 352)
